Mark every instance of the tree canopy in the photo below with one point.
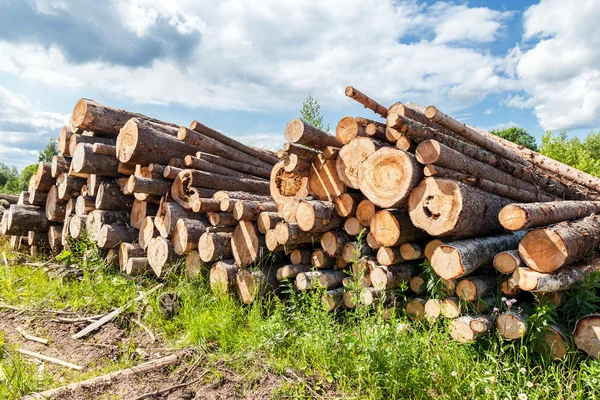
(49, 151)
(311, 113)
(517, 135)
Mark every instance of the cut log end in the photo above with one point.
(543, 250)
(512, 217)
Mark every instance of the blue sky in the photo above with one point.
(245, 67)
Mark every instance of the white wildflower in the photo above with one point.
(522, 370)
(454, 373)
(522, 396)
(529, 384)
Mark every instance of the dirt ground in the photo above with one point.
(214, 381)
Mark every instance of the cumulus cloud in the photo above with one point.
(561, 69)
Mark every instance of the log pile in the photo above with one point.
(411, 201)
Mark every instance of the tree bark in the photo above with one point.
(387, 176)
(37, 198)
(317, 216)
(587, 335)
(393, 227)
(444, 207)
(222, 276)
(300, 256)
(222, 219)
(389, 277)
(253, 284)
(327, 279)
(300, 132)
(151, 186)
(85, 161)
(260, 172)
(470, 289)
(525, 216)
(186, 234)
(59, 165)
(548, 249)
(127, 251)
(110, 197)
(111, 236)
(249, 210)
(160, 253)
(366, 101)
(507, 261)
(247, 245)
(389, 256)
(202, 164)
(456, 259)
(534, 281)
(214, 246)
(351, 157)
(69, 186)
(77, 140)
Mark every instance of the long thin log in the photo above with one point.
(366, 101)
(247, 245)
(52, 360)
(524, 216)
(390, 277)
(300, 132)
(87, 162)
(235, 165)
(317, 216)
(534, 281)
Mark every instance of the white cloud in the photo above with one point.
(488, 111)
(561, 71)
(501, 126)
(270, 54)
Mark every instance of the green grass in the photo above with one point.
(347, 354)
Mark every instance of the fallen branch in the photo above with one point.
(137, 370)
(50, 359)
(92, 318)
(31, 337)
(108, 317)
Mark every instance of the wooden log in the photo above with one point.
(249, 210)
(412, 251)
(300, 256)
(39, 240)
(260, 172)
(97, 218)
(43, 179)
(349, 128)
(444, 207)
(393, 227)
(387, 176)
(366, 101)
(59, 165)
(510, 286)
(37, 198)
(85, 161)
(213, 134)
(232, 196)
(415, 309)
(482, 323)
(290, 271)
(553, 341)
(324, 183)
(346, 204)
(512, 151)
(84, 205)
(69, 186)
(171, 172)
(317, 216)
(372, 242)
(104, 149)
(390, 277)
(160, 253)
(460, 329)
(284, 185)
(301, 151)
(470, 289)
(289, 233)
(534, 281)
(251, 285)
(94, 182)
(417, 285)
(148, 231)
(194, 267)
(352, 226)
(141, 142)
(76, 139)
(214, 246)
(127, 251)
(151, 186)
(137, 266)
(374, 129)
(202, 164)
(548, 249)
(456, 259)
(389, 256)
(295, 163)
(319, 259)
(512, 324)
(300, 132)
(222, 219)
(432, 245)
(333, 299)
(55, 207)
(507, 261)
(267, 220)
(169, 213)
(411, 111)
(351, 156)
(140, 210)
(111, 236)
(327, 279)
(365, 211)
(63, 141)
(432, 309)
(222, 276)
(557, 298)
(525, 216)
(110, 197)
(487, 185)
(55, 237)
(186, 234)
(587, 335)
(247, 245)
(333, 242)
(77, 226)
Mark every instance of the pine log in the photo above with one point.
(213, 134)
(85, 161)
(389, 256)
(351, 156)
(346, 204)
(300, 256)
(213, 246)
(247, 245)
(374, 129)
(94, 182)
(111, 236)
(512, 324)
(327, 279)
(239, 195)
(415, 309)
(193, 265)
(290, 271)
(203, 205)
(137, 266)
(222, 219)
(171, 172)
(510, 286)
(295, 163)
(372, 242)
(353, 252)
(254, 284)
(300, 132)
(186, 234)
(417, 285)
(352, 226)
(415, 113)
(203, 143)
(553, 341)
(43, 179)
(333, 299)
(271, 241)
(84, 205)
(317, 216)
(141, 142)
(148, 232)
(587, 335)
(443, 207)
(548, 249)
(160, 253)
(140, 210)
(390, 277)
(482, 323)
(97, 218)
(461, 331)
(76, 226)
(333, 242)
(152, 186)
(59, 165)
(507, 261)
(349, 128)
(432, 245)
(301, 151)
(66, 234)
(69, 186)
(260, 172)
(366, 101)
(222, 276)
(320, 260)
(512, 151)
(104, 149)
(249, 210)
(432, 309)
(55, 207)
(127, 251)
(284, 185)
(557, 298)
(63, 141)
(289, 233)
(387, 176)
(487, 185)
(324, 183)
(393, 227)
(412, 251)
(534, 281)
(110, 197)
(456, 259)
(202, 164)
(55, 237)
(169, 213)
(37, 198)
(267, 220)
(365, 211)
(470, 289)
(39, 240)
(525, 216)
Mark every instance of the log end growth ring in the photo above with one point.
(127, 140)
(446, 262)
(435, 205)
(80, 116)
(294, 130)
(543, 250)
(385, 228)
(512, 217)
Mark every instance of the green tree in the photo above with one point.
(311, 113)
(49, 151)
(517, 135)
(26, 175)
(9, 179)
(571, 151)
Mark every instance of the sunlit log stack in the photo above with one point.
(406, 200)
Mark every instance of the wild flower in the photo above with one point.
(529, 384)
(503, 299)
(522, 370)
(488, 390)
(522, 396)
(493, 379)
(495, 309)
(454, 373)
